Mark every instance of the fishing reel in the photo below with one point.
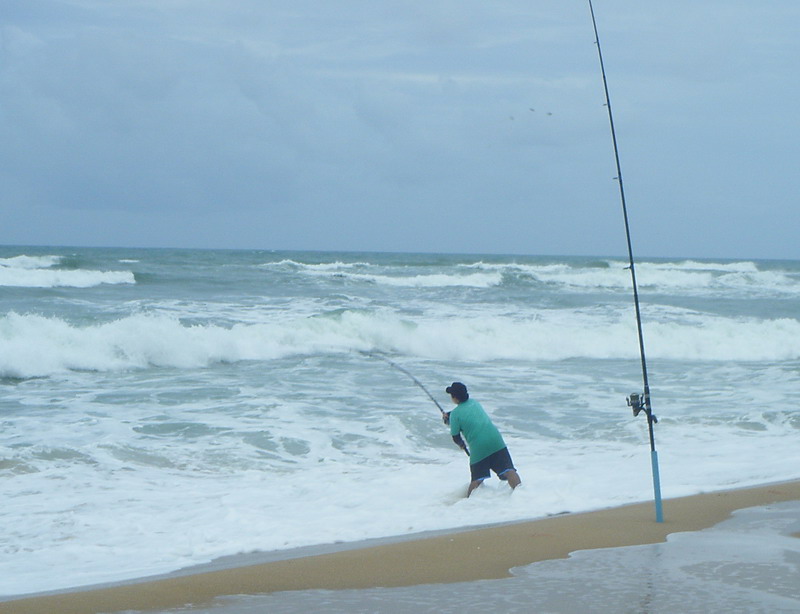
(640, 403)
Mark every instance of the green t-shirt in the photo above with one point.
(482, 436)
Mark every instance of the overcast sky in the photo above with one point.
(472, 126)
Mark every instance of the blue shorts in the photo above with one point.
(500, 462)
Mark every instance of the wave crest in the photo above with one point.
(32, 345)
(42, 272)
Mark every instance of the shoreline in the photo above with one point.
(448, 557)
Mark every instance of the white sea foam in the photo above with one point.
(156, 484)
(322, 266)
(683, 277)
(32, 345)
(364, 272)
(40, 278)
(476, 280)
(686, 277)
(30, 262)
(38, 272)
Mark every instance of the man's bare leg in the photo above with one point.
(473, 485)
(513, 478)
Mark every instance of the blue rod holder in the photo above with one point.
(657, 486)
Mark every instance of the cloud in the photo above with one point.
(446, 125)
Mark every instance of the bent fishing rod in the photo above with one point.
(392, 363)
(636, 402)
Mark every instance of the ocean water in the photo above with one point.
(162, 408)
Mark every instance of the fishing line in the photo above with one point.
(637, 402)
(388, 360)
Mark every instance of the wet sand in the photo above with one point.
(474, 554)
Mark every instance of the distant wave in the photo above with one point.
(33, 345)
(441, 280)
(30, 262)
(360, 272)
(42, 272)
(322, 266)
(693, 265)
(685, 276)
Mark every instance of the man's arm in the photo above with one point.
(455, 432)
(459, 441)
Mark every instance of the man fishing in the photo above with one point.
(488, 451)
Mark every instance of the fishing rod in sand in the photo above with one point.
(392, 363)
(637, 402)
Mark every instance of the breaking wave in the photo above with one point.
(44, 272)
(33, 345)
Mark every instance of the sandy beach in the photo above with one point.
(475, 554)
